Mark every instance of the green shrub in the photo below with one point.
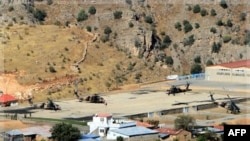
(137, 43)
(223, 4)
(196, 68)
(229, 23)
(197, 59)
(219, 22)
(243, 16)
(107, 30)
(89, 29)
(148, 19)
(82, 16)
(203, 12)
(117, 14)
(196, 8)
(129, 2)
(39, 14)
(67, 23)
(130, 24)
(209, 63)
(105, 38)
(178, 26)
(49, 2)
(213, 12)
(226, 39)
(216, 47)
(189, 41)
(247, 38)
(52, 69)
(213, 30)
(187, 26)
(11, 8)
(92, 10)
(169, 60)
(197, 25)
(58, 23)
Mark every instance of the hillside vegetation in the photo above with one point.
(105, 44)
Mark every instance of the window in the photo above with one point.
(101, 130)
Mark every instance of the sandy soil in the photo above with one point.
(12, 124)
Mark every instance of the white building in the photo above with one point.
(106, 126)
(238, 71)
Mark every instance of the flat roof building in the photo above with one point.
(238, 72)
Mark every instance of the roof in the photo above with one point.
(14, 132)
(134, 131)
(103, 115)
(144, 124)
(7, 98)
(169, 131)
(37, 130)
(88, 136)
(236, 64)
(220, 127)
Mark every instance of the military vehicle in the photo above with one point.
(95, 98)
(176, 88)
(50, 105)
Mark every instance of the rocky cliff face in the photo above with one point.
(134, 36)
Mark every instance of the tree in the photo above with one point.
(92, 10)
(65, 132)
(119, 138)
(196, 8)
(117, 14)
(82, 16)
(184, 122)
(223, 4)
(196, 68)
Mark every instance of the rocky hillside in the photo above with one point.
(109, 43)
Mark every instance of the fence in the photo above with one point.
(198, 76)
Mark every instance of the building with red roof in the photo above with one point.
(7, 100)
(180, 134)
(238, 71)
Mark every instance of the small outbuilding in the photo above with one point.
(8, 100)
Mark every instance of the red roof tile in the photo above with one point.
(103, 115)
(7, 98)
(219, 127)
(237, 64)
(144, 124)
(169, 131)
